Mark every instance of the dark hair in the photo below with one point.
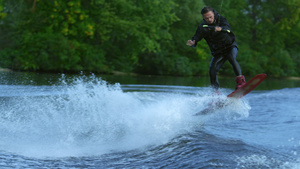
(206, 9)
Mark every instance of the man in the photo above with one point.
(222, 43)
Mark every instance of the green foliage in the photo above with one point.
(51, 51)
(175, 58)
(138, 30)
(145, 36)
(52, 39)
(2, 13)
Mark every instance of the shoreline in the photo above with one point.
(119, 73)
(5, 70)
(292, 78)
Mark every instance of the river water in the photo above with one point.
(89, 121)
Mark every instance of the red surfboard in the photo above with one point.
(238, 93)
(248, 87)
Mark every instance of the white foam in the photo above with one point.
(90, 117)
(264, 162)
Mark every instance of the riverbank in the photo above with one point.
(293, 78)
(118, 73)
(5, 70)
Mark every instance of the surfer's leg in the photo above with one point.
(232, 59)
(240, 79)
(215, 65)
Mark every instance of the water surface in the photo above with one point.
(89, 121)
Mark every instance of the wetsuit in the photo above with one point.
(222, 44)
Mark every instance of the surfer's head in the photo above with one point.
(208, 14)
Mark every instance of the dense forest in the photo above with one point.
(145, 36)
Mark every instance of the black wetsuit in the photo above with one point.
(222, 44)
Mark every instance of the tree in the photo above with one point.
(50, 36)
(176, 58)
(138, 30)
(144, 36)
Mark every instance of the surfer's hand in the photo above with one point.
(190, 42)
(218, 29)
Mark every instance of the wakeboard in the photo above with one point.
(238, 93)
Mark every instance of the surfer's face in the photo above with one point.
(209, 17)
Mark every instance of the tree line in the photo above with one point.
(145, 36)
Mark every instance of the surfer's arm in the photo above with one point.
(197, 37)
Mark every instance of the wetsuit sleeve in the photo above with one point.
(198, 35)
(224, 23)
